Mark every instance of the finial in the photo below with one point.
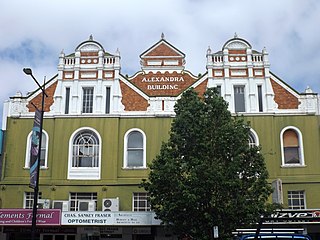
(90, 37)
(209, 50)
(117, 52)
(162, 35)
(308, 90)
(264, 50)
(235, 35)
(62, 51)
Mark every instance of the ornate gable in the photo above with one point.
(162, 55)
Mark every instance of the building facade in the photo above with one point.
(101, 128)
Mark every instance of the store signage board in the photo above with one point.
(23, 217)
(109, 218)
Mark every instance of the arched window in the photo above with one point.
(43, 151)
(291, 146)
(134, 145)
(85, 150)
(253, 138)
(84, 155)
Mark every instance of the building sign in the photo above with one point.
(163, 84)
(109, 218)
(20, 217)
(303, 216)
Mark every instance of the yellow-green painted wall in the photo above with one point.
(118, 182)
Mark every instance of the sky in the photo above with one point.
(34, 32)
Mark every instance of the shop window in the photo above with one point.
(134, 145)
(291, 147)
(141, 202)
(43, 151)
(84, 154)
(296, 200)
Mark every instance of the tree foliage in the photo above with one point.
(206, 174)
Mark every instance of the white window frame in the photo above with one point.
(301, 150)
(83, 173)
(140, 197)
(255, 138)
(245, 99)
(300, 193)
(92, 100)
(125, 150)
(27, 158)
(28, 196)
(75, 197)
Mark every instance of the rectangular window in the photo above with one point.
(141, 202)
(108, 100)
(87, 101)
(296, 200)
(219, 90)
(239, 102)
(260, 98)
(66, 110)
(77, 201)
(28, 199)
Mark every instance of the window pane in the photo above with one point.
(239, 99)
(85, 150)
(75, 197)
(87, 102)
(135, 140)
(66, 110)
(141, 202)
(296, 199)
(260, 98)
(108, 100)
(252, 140)
(291, 155)
(135, 151)
(135, 158)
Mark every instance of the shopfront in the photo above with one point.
(52, 224)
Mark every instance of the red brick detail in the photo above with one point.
(48, 101)
(163, 50)
(201, 88)
(234, 51)
(163, 84)
(237, 58)
(86, 54)
(89, 60)
(283, 98)
(131, 100)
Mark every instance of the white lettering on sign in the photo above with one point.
(163, 79)
(162, 87)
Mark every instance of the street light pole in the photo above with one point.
(28, 71)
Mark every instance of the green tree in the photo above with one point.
(207, 174)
